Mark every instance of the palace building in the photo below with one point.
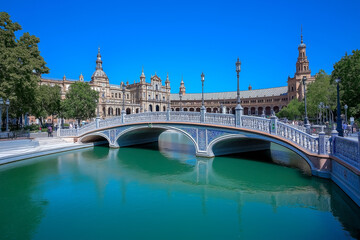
(143, 96)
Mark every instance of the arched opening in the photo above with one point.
(137, 110)
(260, 110)
(96, 139)
(150, 108)
(232, 110)
(185, 109)
(110, 111)
(198, 109)
(104, 111)
(164, 109)
(246, 111)
(143, 135)
(128, 111)
(216, 110)
(276, 109)
(177, 109)
(252, 111)
(157, 108)
(260, 150)
(267, 111)
(208, 110)
(191, 110)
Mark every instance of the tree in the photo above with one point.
(348, 70)
(47, 102)
(293, 111)
(20, 67)
(80, 102)
(321, 90)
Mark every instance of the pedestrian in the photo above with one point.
(49, 131)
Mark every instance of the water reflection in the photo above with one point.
(103, 193)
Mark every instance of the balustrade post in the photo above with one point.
(238, 114)
(334, 134)
(168, 114)
(321, 147)
(273, 124)
(123, 113)
(97, 122)
(202, 112)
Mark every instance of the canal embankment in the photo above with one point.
(17, 150)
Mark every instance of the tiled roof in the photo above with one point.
(266, 92)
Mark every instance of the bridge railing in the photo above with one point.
(256, 123)
(146, 117)
(185, 117)
(347, 150)
(306, 141)
(220, 119)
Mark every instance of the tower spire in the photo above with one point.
(301, 35)
(98, 60)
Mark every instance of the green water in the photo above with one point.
(144, 193)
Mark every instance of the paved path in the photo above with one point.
(16, 150)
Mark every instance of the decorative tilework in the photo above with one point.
(202, 139)
(191, 131)
(347, 176)
(212, 134)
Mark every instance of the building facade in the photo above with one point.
(143, 96)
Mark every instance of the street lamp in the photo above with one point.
(338, 120)
(346, 108)
(306, 121)
(123, 105)
(180, 96)
(202, 82)
(238, 69)
(1, 104)
(7, 114)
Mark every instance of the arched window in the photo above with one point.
(115, 95)
(127, 96)
(150, 108)
(157, 108)
(164, 109)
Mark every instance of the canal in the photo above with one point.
(162, 191)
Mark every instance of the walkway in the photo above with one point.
(15, 150)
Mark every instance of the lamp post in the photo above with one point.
(7, 114)
(346, 108)
(202, 82)
(123, 105)
(1, 104)
(238, 70)
(306, 121)
(180, 96)
(338, 115)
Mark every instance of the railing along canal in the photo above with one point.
(319, 144)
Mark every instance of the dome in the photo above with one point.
(99, 73)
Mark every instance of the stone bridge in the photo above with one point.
(218, 134)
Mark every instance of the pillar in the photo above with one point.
(273, 124)
(202, 114)
(238, 115)
(322, 149)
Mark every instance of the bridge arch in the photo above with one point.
(147, 134)
(227, 145)
(96, 137)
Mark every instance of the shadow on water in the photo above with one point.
(148, 159)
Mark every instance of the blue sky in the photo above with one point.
(189, 37)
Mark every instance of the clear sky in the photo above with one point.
(189, 37)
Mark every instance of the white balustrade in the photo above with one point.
(220, 119)
(347, 150)
(256, 123)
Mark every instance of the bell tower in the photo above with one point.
(302, 63)
(182, 87)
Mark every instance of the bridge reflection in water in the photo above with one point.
(173, 193)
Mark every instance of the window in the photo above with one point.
(115, 95)
(127, 96)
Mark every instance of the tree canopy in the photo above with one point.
(348, 70)
(293, 111)
(20, 66)
(47, 101)
(80, 102)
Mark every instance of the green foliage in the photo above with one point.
(348, 70)
(293, 111)
(80, 102)
(20, 67)
(320, 91)
(47, 101)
